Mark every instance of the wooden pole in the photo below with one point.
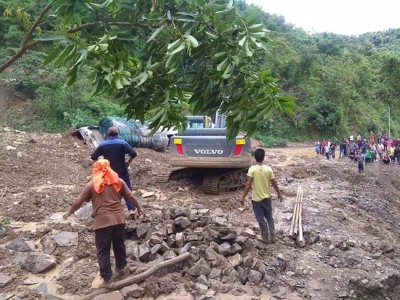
(138, 278)
(300, 239)
(291, 232)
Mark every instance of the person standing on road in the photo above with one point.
(105, 190)
(260, 177)
(114, 150)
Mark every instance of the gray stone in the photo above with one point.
(144, 252)
(176, 212)
(170, 228)
(48, 244)
(148, 194)
(169, 255)
(193, 237)
(21, 245)
(236, 248)
(204, 212)
(221, 221)
(142, 229)
(134, 291)
(215, 273)
(229, 237)
(116, 295)
(235, 260)
(185, 248)
(67, 263)
(5, 280)
(202, 280)
(38, 262)
(165, 246)
(85, 212)
(154, 240)
(29, 282)
(201, 288)
(255, 277)
(171, 240)
(185, 222)
(156, 258)
(201, 267)
(66, 238)
(210, 254)
(42, 288)
(179, 239)
(155, 248)
(289, 179)
(240, 239)
(243, 274)
(224, 249)
(247, 262)
(230, 275)
(218, 212)
(249, 233)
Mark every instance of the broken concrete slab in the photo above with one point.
(66, 238)
(38, 262)
(21, 245)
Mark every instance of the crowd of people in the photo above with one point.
(379, 148)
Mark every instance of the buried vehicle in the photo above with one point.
(205, 154)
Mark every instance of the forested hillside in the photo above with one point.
(343, 85)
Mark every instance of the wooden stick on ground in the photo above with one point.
(140, 277)
(300, 239)
(292, 226)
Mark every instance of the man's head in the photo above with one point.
(112, 131)
(259, 155)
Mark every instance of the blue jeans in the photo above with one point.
(125, 177)
(263, 211)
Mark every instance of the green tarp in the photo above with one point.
(134, 133)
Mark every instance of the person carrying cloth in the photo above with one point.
(260, 177)
(105, 190)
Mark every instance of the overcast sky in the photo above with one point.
(349, 17)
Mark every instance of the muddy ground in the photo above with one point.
(351, 222)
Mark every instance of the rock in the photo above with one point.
(289, 179)
(192, 237)
(48, 244)
(230, 275)
(210, 254)
(331, 247)
(201, 267)
(169, 255)
(5, 280)
(179, 239)
(240, 239)
(255, 277)
(43, 288)
(202, 280)
(201, 288)
(243, 274)
(290, 273)
(220, 221)
(170, 228)
(29, 282)
(236, 248)
(185, 222)
(134, 291)
(249, 233)
(218, 212)
(185, 248)
(144, 252)
(37, 262)
(179, 212)
(171, 240)
(215, 273)
(148, 194)
(116, 295)
(66, 238)
(281, 257)
(376, 255)
(67, 263)
(155, 249)
(21, 245)
(235, 260)
(165, 247)
(204, 212)
(224, 249)
(154, 240)
(142, 229)
(84, 212)
(229, 237)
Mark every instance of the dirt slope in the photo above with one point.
(352, 221)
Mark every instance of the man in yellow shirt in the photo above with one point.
(260, 177)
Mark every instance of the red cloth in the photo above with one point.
(103, 175)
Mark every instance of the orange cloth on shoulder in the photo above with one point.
(103, 175)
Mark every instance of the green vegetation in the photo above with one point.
(158, 59)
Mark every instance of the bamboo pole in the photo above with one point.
(300, 238)
(138, 278)
(294, 218)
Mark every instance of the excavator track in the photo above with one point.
(212, 181)
(224, 181)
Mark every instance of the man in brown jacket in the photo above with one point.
(106, 190)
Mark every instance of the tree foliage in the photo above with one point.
(159, 56)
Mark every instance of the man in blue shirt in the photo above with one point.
(114, 150)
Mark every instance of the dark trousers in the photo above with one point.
(104, 237)
(263, 213)
(125, 177)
